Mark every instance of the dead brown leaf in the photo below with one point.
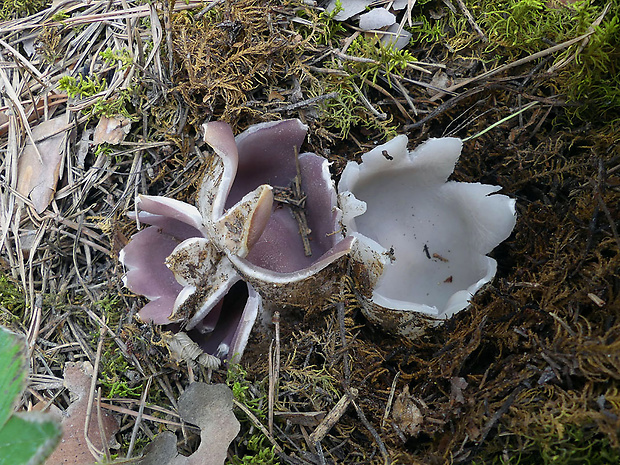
(406, 414)
(37, 176)
(72, 449)
(111, 130)
(210, 407)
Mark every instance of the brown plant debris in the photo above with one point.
(228, 54)
(528, 374)
(73, 447)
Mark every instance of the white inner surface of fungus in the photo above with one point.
(435, 234)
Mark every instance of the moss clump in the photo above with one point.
(89, 86)
(586, 73)
(577, 446)
(12, 9)
(349, 80)
(221, 58)
(12, 301)
(236, 378)
(258, 453)
(345, 112)
(112, 376)
(82, 86)
(253, 448)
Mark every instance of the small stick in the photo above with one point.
(169, 45)
(276, 322)
(404, 93)
(35, 324)
(333, 416)
(304, 230)
(97, 454)
(522, 61)
(373, 432)
(567, 60)
(136, 426)
(274, 369)
(343, 338)
(304, 103)
(390, 96)
(104, 439)
(380, 116)
(388, 407)
(319, 453)
(471, 20)
(344, 56)
(295, 198)
(256, 422)
(300, 216)
(126, 411)
(271, 392)
(285, 195)
(20, 110)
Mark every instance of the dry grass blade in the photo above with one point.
(97, 454)
(134, 432)
(514, 64)
(472, 21)
(20, 110)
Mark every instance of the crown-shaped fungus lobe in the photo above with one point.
(172, 263)
(297, 222)
(429, 237)
(266, 214)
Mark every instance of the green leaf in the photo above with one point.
(27, 439)
(12, 372)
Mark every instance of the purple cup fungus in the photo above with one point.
(267, 219)
(423, 241)
(227, 318)
(272, 212)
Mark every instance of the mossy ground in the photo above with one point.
(529, 374)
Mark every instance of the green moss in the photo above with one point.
(426, 30)
(586, 74)
(331, 29)
(258, 453)
(578, 446)
(594, 79)
(253, 449)
(12, 301)
(346, 111)
(104, 149)
(386, 59)
(524, 27)
(12, 9)
(113, 365)
(60, 16)
(111, 57)
(116, 104)
(236, 378)
(82, 86)
(522, 23)
(324, 29)
(89, 86)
